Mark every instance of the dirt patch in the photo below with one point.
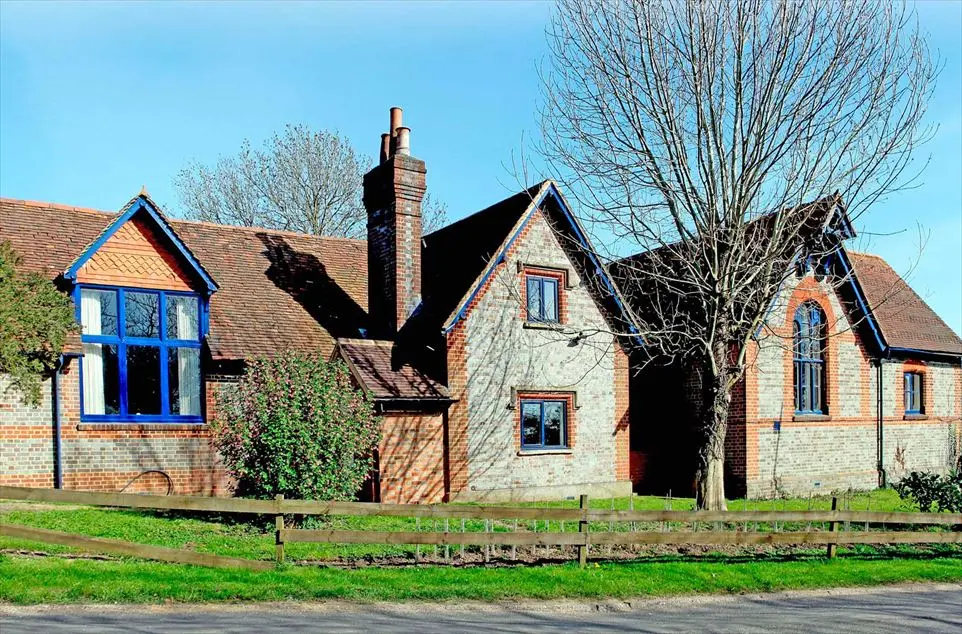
(40, 554)
(37, 506)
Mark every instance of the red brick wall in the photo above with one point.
(105, 457)
(411, 458)
(456, 422)
(622, 420)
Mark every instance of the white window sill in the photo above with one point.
(545, 452)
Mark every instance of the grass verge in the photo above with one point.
(31, 580)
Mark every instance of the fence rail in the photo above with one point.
(581, 539)
(453, 511)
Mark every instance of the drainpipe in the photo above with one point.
(880, 426)
(58, 419)
(57, 453)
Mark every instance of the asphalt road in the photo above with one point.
(917, 609)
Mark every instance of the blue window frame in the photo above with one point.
(141, 360)
(544, 424)
(913, 393)
(542, 299)
(809, 360)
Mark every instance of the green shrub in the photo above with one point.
(295, 425)
(35, 319)
(931, 489)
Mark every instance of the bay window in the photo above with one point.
(141, 355)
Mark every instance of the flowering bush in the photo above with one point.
(296, 425)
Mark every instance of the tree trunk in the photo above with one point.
(710, 471)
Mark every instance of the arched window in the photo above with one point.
(809, 359)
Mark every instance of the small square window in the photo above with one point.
(542, 299)
(543, 424)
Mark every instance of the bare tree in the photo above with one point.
(301, 180)
(720, 139)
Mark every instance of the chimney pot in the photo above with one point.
(395, 120)
(385, 147)
(404, 141)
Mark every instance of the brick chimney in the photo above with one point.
(393, 192)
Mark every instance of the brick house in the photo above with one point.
(485, 345)
(852, 382)
(488, 346)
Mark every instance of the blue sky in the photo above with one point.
(97, 99)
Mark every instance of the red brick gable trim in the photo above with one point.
(477, 287)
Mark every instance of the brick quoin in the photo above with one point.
(622, 421)
(457, 414)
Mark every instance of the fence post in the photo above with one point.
(583, 528)
(831, 529)
(279, 526)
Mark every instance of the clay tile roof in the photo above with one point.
(904, 318)
(373, 364)
(278, 290)
(454, 256)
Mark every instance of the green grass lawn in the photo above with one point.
(49, 575)
(52, 580)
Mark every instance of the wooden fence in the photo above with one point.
(727, 527)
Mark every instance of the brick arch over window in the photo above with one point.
(809, 339)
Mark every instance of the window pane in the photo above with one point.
(816, 387)
(183, 381)
(534, 299)
(101, 379)
(143, 380)
(806, 383)
(98, 312)
(554, 424)
(908, 391)
(143, 314)
(798, 386)
(182, 317)
(550, 300)
(530, 424)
